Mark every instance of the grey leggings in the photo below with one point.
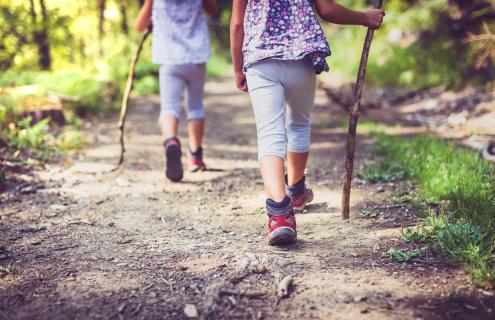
(173, 80)
(272, 84)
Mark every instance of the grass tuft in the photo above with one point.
(9, 269)
(369, 213)
(457, 192)
(403, 255)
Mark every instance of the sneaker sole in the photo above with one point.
(301, 209)
(198, 168)
(283, 235)
(174, 165)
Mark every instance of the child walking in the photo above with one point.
(277, 49)
(181, 46)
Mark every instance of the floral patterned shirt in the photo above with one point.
(285, 30)
(180, 32)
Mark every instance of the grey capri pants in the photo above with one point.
(282, 94)
(174, 78)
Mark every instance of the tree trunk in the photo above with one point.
(101, 24)
(33, 12)
(42, 39)
(124, 26)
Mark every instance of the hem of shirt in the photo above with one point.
(249, 63)
(181, 62)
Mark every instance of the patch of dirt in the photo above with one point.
(132, 245)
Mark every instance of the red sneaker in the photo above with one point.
(281, 225)
(196, 162)
(173, 156)
(300, 201)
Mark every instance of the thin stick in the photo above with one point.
(127, 92)
(354, 113)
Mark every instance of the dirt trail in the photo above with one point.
(131, 245)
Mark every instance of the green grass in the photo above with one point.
(457, 190)
(413, 61)
(95, 91)
(384, 171)
(9, 269)
(38, 140)
(403, 255)
(369, 213)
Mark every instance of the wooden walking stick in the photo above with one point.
(127, 92)
(354, 113)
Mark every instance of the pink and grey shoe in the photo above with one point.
(300, 194)
(196, 162)
(281, 224)
(173, 154)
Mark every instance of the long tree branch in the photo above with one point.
(354, 113)
(127, 92)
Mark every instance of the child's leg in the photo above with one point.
(195, 129)
(169, 126)
(296, 164)
(300, 96)
(171, 87)
(273, 171)
(196, 75)
(267, 98)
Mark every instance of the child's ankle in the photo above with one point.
(297, 188)
(197, 153)
(272, 204)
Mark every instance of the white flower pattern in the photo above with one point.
(285, 30)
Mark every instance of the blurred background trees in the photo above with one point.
(422, 42)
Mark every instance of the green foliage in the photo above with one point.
(458, 239)
(33, 137)
(419, 45)
(90, 91)
(147, 85)
(383, 172)
(218, 66)
(9, 269)
(369, 213)
(403, 255)
(37, 139)
(415, 201)
(457, 176)
(460, 188)
(436, 66)
(70, 139)
(3, 114)
(34, 228)
(414, 235)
